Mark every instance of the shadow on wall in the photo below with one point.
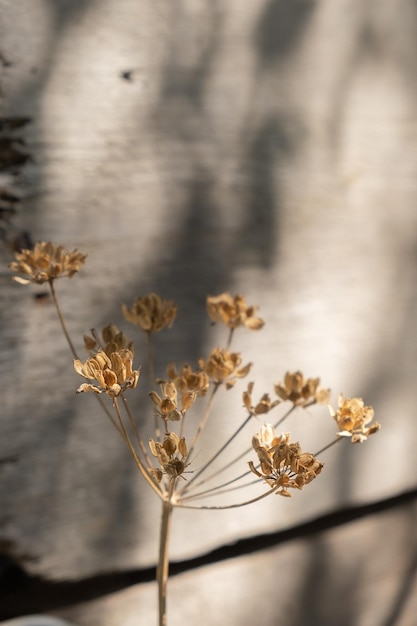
(204, 256)
(280, 27)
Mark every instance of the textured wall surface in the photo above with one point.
(189, 147)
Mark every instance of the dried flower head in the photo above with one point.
(171, 455)
(283, 465)
(301, 391)
(114, 340)
(151, 313)
(188, 380)
(114, 374)
(353, 419)
(167, 403)
(45, 263)
(223, 367)
(233, 311)
(260, 408)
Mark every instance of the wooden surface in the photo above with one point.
(350, 575)
(266, 148)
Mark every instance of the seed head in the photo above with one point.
(45, 263)
(113, 374)
(353, 419)
(151, 313)
(233, 311)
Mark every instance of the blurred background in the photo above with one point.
(191, 147)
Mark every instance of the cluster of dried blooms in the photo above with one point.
(281, 464)
(114, 373)
(45, 263)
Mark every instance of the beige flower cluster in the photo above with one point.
(283, 465)
(171, 455)
(301, 391)
(151, 313)
(233, 312)
(354, 419)
(45, 263)
(113, 340)
(113, 374)
(223, 367)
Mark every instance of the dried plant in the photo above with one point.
(271, 460)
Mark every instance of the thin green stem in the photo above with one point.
(163, 562)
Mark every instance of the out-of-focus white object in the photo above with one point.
(36, 620)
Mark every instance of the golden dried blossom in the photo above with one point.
(260, 408)
(151, 313)
(167, 403)
(171, 455)
(113, 340)
(188, 380)
(45, 263)
(283, 465)
(223, 367)
(354, 419)
(233, 311)
(114, 373)
(301, 391)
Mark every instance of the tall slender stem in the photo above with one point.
(163, 562)
(73, 350)
(329, 445)
(61, 320)
(203, 420)
(151, 369)
(136, 458)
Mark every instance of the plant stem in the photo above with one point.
(329, 445)
(136, 458)
(203, 420)
(61, 320)
(73, 350)
(163, 562)
(151, 369)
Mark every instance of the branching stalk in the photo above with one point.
(203, 420)
(138, 462)
(163, 562)
(73, 350)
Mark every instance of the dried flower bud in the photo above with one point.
(263, 406)
(353, 419)
(233, 312)
(171, 455)
(301, 391)
(114, 374)
(151, 313)
(223, 367)
(283, 465)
